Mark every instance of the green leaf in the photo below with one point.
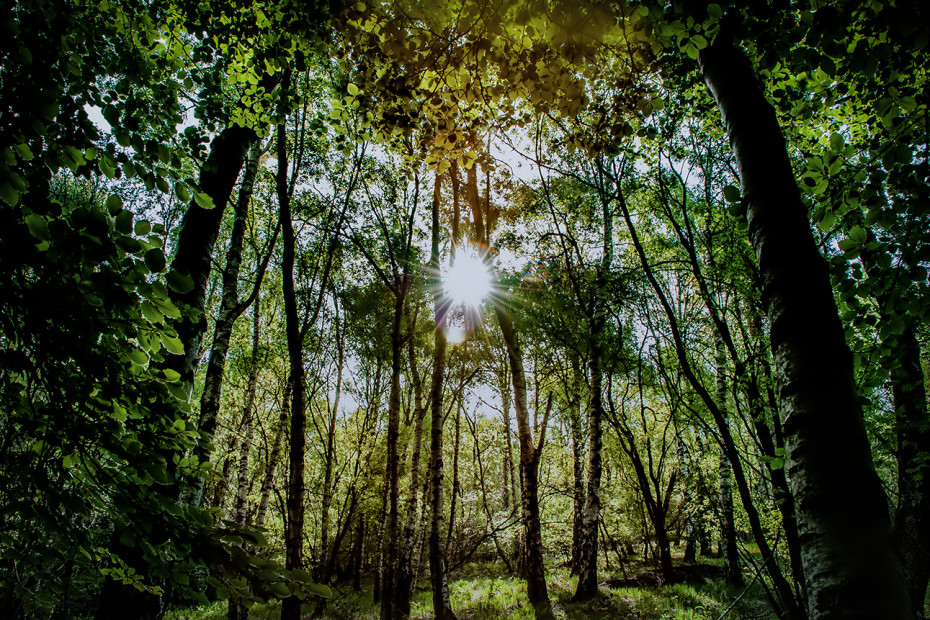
(114, 204)
(858, 234)
(172, 344)
(179, 283)
(38, 227)
(9, 194)
(731, 194)
(106, 167)
(173, 376)
(181, 191)
(203, 200)
(139, 357)
(837, 142)
(155, 260)
(352, 89)
(142, 228)
(151, 313)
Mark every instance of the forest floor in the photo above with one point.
(482, 590)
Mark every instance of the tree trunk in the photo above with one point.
(329, 458)
(578, 490)
(248, 422)
(453, 500)
(274, 457)
(230, 310)
(197, 236)
(294, 526)
(405, 570)
(442, 608)
(587, 569)
(391, 474)
(529, 472)
(731, 569)
(851, 565)
(912, 518)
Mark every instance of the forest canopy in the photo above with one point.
(560, 308)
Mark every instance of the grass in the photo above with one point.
(484, 591)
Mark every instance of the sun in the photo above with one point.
(467, 281)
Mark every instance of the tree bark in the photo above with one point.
(406, 573)
(274, 457)
(329, 455)
(912, 518)
(197, 237)
(248, 417)
(731, 568)
(587, 565)
(294, 526)
(851, 565)
(442, 607)
(529, 471)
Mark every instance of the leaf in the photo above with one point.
(837, 142)
(179, 283)
(38, 227)
(114, 204)
(139, 357)
(172, 344)
(9, 194)
(151, 313)
(203, 200)
(352, 89)
(142, 228)
(858, 234)
(155, 260)
(731, 194)
(173, 376)
(181, 191)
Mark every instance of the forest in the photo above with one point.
(464, 309)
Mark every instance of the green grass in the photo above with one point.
(484, 591)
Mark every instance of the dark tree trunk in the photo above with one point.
(912, 519)
(587, 559)
(529, 472)
(731, 569)
(406, 570)
(274, 457)
(230, 310)
(197, 236)
(578, 489)
(442, 608)
(329, 456)
(851, 565)
(294, 525)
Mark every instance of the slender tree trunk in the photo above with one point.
(731, 568)
(453, 500)
(230, 310)
(510, 483)
(392, 481)
(274, 457)
(578, 490)
(197, 237)
(851, 565)
(529, 472)
(405, 570)
(912, 518)
(442, 608)
(377, 591)
(329, 458)
(294, 526)
(248, 425)
(587, 569)
(358, 554)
